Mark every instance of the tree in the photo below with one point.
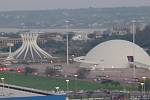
(29, 70)
(147, 85)
(82, 73)
(92, 35)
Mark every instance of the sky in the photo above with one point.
(7, 5)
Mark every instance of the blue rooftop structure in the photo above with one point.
(51, 97)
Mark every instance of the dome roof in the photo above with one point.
(115, 54)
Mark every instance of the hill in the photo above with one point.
(79, 18)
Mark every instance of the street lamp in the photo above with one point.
(75, 82)
(2, 79)
(67, 38)
(144, 83)
(10, 45)
(51, 61)
(133, 40)
(142, 87)
(73, 56)
(67, 81)
(57, 89)
(93, 67)
(75, 75)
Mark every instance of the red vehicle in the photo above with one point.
(18, 69)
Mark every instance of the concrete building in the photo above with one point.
(29, 49)
(115, 54)
(54, 36)
(80, 36)
(120, 29)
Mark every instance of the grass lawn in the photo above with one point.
(47, 83)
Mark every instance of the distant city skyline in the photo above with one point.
(9, 5)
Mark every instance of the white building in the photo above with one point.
(80, 36)
(29, 49)
(115, 54)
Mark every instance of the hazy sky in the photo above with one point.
(54, 4)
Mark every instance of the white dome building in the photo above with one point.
(115, 54)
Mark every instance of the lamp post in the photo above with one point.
(73, 56)
(10, 45)
(133, 40)
(57, 89)
(93, 67)
(51, 61)
(67, 39)
(67, 81)
(144, 84)
(142, 87)
(2, 79)
(75, 82)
